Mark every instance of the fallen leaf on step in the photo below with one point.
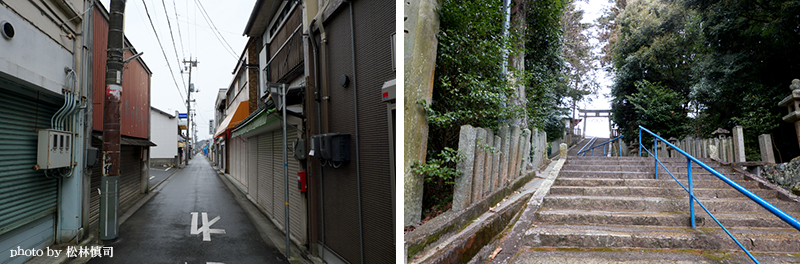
(494, 254)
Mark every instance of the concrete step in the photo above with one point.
(642, 168)
(660, 204)
(584, 236)
(643, 175)
(550, 255)
(674, 191)
(660, 183)
(702, 219)
(663, 159)
(637, 162)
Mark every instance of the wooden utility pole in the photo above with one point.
(109, 184)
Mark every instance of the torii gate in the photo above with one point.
(585, 113)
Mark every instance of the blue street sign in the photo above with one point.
(182, 115)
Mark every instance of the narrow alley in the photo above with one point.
(161, 230)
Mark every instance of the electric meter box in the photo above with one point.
(55, 149)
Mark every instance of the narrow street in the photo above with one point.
(161, 230)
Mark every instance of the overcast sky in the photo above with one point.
(593, 9)
(196, 39)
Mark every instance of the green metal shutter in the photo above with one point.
(26, 194)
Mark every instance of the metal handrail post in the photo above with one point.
(691, 191)
(640, 142)
(760, 201)
(655, 155)
(620, 147)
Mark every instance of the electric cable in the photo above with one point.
(215, 31)
(172, 74)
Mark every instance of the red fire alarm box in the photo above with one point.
(301, 181)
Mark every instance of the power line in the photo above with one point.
(169, 25)
(163, 52)
(177, 22)
(216, 31)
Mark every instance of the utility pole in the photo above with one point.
(189, 129)
(109, 184)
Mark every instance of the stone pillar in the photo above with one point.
(498, 143)
(526, 157)
(513, 153)
(518, 168)
(421, 27)
(505, 133)
(463, 184)
(480, 159)
(487, 167)
(562, 150)
(738, 144)
(765, 145)
(712, 151)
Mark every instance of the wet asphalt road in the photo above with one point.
(158, 174)
(160, 231)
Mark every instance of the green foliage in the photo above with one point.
(547, 86)
(729, 60)
(469, 85)
(439, 174)
(441, 168)
(659, 109)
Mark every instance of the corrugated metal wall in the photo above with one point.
(374, 23)
(135, 105)
(27, 194)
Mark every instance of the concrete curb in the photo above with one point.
(510, 246)
(480, 225)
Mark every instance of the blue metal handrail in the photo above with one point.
(583, 151)
(689, 158)
(589, 144)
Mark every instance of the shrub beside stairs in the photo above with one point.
(611, 209)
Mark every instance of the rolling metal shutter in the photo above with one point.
(130, 172)
(94, 186)
(279, 213)
(130, 177)
(265, 172)
(27, 194)
(252, 167)
(297, 204)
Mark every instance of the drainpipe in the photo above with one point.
(355, 114)
(317, 98)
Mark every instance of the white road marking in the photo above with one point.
(151, 177)
(168, 168)
(206, 228)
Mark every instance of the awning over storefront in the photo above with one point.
(233, 119)
(255, 124)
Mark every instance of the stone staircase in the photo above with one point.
(601, 204)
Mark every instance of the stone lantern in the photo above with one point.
(792, 103)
